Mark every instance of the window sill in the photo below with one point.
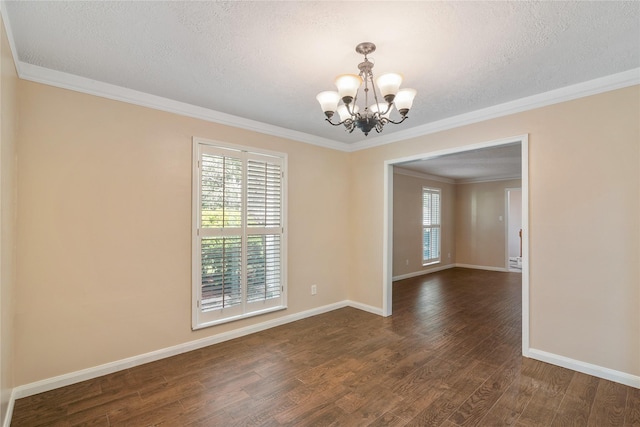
(427, 264)
(239, 317)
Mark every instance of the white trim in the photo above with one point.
(10, 405)
(556, 96)
(422, 272)
(586, 368)
(60, 79)
(130, 362)
(482, 267)
(524, 185)
(63, 80)
(415, 174)
(387, 236)
(402, 171)
(460, 149)
(364, 307)
(199, 318)
(487, 179)
(387, 239)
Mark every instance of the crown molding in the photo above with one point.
(556, 96)
(76, 83)
(421, 175)
(399, 170)
(82, 84)
(488, 179)
(93, 87)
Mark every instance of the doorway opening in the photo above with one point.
(387, 281)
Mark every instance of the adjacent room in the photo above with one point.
(200, 224)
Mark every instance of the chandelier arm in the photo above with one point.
(336, 124)
(350, 125)
(383, 121)
(367, 119)
(397, 123)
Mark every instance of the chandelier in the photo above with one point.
(375, 115)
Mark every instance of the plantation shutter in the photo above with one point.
(239, 234)
(264, 228)
(430, 225)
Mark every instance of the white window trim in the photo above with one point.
(432, 261)
(196, 275)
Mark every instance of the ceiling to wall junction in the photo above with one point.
(485, 164)
(260, 64)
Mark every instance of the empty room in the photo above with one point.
(445, 233)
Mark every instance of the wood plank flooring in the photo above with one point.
(449, 356)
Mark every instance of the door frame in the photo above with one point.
(387, 239)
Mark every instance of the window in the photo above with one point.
(238, 233)
(430, 225)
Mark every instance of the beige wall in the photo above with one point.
(514, 226)
(407, 223)
(480, 233)
(8, 141)
(104, 225)
(585, 274)
(104, 219)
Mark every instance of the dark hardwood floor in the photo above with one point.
(449, 356)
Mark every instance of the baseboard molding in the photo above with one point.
(422, 272)
(365, 307)
(482, 267)
(130, 362)
(585, 368)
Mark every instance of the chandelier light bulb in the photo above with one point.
(404, 100)
(379, 97)
(344, 113)
(348, 85)
(328, 101)
(381, 108)
(389, 84)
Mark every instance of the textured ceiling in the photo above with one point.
(266, 61)
(499, 162)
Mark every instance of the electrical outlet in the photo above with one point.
(406, 262)
(314, 290)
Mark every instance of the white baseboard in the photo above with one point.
(130, 362)
(422, 272)
(585, 368)
(365, 307)
(482, 267)
(97, 371)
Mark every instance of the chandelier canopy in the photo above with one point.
(374, 115)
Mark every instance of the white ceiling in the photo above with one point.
(266, 61)
(491, 163)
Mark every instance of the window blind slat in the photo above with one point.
(264, 201)
(221, 188)
(263, 267)
(221, 268)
